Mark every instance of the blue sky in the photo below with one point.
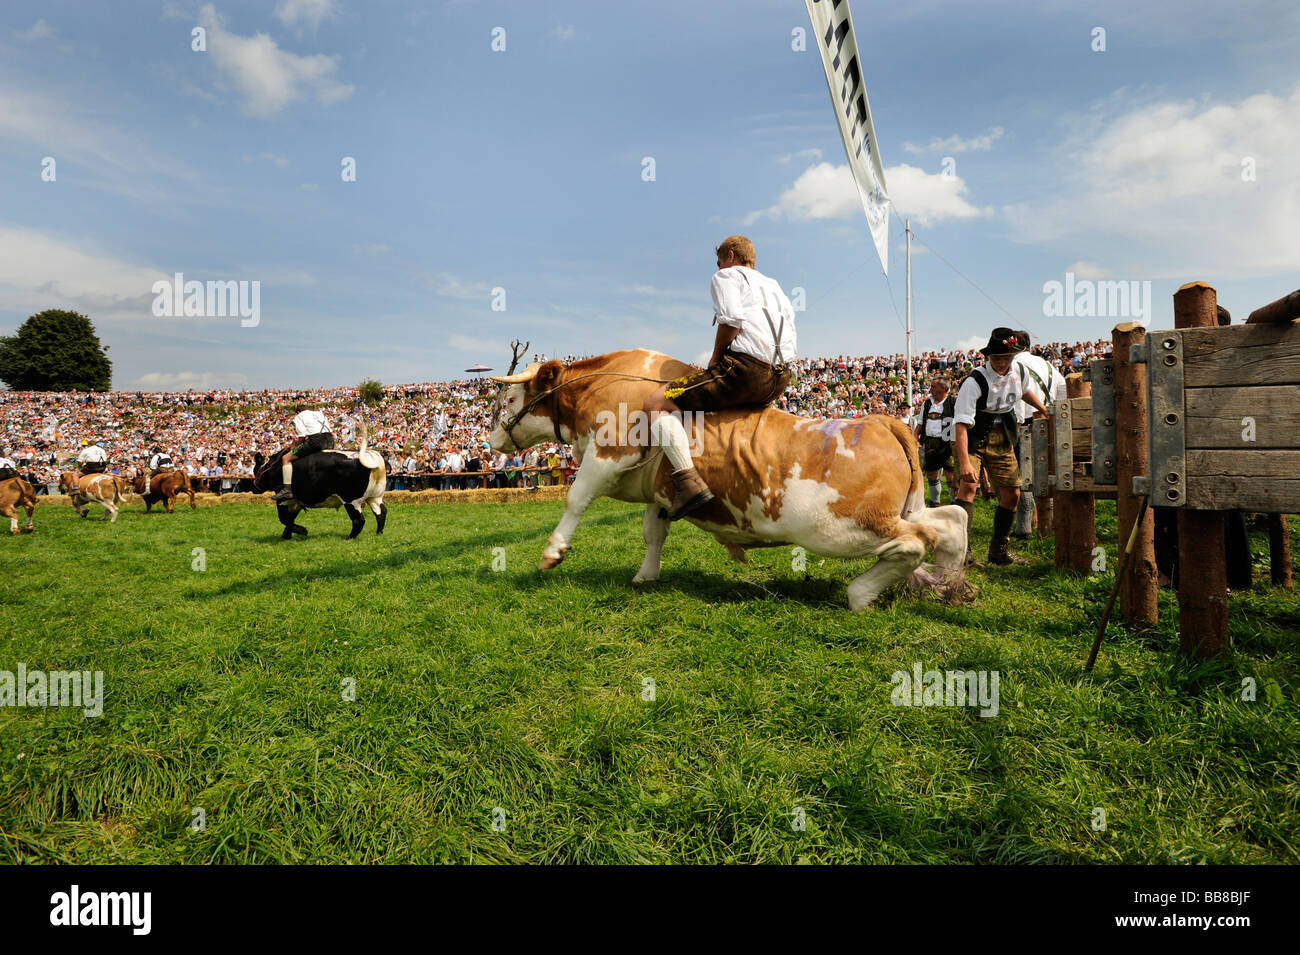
(522, 170)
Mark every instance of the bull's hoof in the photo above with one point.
(548, 563)
(638, 579)
(298, 529)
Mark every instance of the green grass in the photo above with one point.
(520, 689)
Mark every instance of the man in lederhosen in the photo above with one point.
(986, 431)
(934, 431)
(312, 430)
(754, 343)
(92, 460)
(160, 463)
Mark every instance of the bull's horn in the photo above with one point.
(528, 374)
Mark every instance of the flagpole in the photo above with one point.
(907, 229)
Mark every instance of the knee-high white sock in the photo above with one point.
(286, 473)
(1025, 513)
(667, 432)
(935, 492)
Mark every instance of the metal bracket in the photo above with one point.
(1064, 450)
(1042, 456)
(1103, 421)
(1141, 486)
(1137, 353)
(1166, 432)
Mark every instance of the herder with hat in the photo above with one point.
(986, 430)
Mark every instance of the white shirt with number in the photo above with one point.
(740, 296)
(1004, 392)
(310, 422)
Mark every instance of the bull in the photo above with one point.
(838, 488)
(164, 487)
(353, 481)
(16, 493)
(106, 489)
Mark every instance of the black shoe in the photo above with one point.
(283, 496)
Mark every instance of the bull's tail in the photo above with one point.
(371, 459)
(915, 498)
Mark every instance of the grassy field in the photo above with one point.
(479, 690)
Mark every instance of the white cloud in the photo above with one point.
(1088, 270)
(374, 248)
(39, 271)
(824, 191)
(181, 380)
(309, 187)
(563, 32)
(812, 154)
(449, 286)
(281, 161)
(292, 12)
(268, 78)
(975, 341)
(72, 133)
(956, 144)
(1166, 179)
(477, 346)
(40, 30)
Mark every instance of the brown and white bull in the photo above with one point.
(16, 493)
(106, 489)
(839, 488)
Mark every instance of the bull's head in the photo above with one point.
(523, 413)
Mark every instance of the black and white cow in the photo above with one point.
(353, 481)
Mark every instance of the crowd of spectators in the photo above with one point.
(434, 435)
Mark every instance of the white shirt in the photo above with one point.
(1004, 392)
(158, 459)
(454, 462)
(310, 422)
(936, 425)
(740, 295)
(8, 463)
(92, 454)
(1055, 381)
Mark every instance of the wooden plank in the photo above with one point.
(1267, 481)
(1082, 441)
(1214, 417)
(1238, 355)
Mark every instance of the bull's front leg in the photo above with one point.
(655, 531)
(596, 476)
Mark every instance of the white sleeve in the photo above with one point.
(964, 412)
(728, 291)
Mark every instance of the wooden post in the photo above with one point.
(1202, 563)
(1137, 592)
(1279, 550)
(1076, 519)
(1283, 310)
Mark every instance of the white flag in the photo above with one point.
(833, 30)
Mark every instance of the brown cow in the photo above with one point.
(164, 487)
(842, 488)
(15, 493)
(107, 489)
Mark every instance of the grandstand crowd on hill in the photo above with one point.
(433, 434)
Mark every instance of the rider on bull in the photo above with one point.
(311, 434)
(160, 463)
(92, 459)
(8, 469)
(752, 349)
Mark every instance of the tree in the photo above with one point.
(55, 350)
(371, 392)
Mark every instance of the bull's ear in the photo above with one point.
(548, 375)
